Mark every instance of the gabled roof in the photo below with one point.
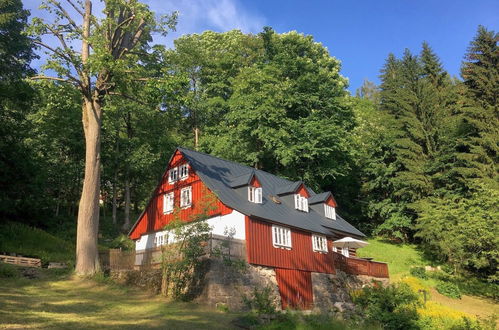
(241, 180)
(221, 175)
(319, 198)
(289, 188)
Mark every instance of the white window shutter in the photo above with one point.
(305, 204)
(258, 198)
(297, 201)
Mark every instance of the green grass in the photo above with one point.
(33, 242)
(400, 257)
(58, 301)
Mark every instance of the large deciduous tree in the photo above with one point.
(96, 53)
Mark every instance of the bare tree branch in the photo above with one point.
(66, 14)
(75, 7)
(49, 78)
(52, 50)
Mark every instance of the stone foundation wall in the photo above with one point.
(224, 284)
(332, 291)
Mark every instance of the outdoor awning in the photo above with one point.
(349, 242)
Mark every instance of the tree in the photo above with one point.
(286, 111)
(477, 150)
(18, 169)
(111, 48)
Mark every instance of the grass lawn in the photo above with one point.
(69, 302)
(400, 259)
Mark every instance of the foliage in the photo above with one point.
(394, 306)
(463, 232)
(298, 320)
(8, 271)
(260, 301)
(419, 272)
(223, 251)
(449, 289)
(122, 242)
(33, 242)
(181, 257)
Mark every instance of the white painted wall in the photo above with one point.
(218, 224)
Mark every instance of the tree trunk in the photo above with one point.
(115, 191)
(87, 257)
(196, 138)
(126, 224)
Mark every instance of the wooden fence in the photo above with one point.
(358, 266)
(21, 261)
(115, 259)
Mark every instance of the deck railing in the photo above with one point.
(359, 266)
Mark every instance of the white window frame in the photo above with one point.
(301, 203)
(281, 237)
(255, 194)
(330, 212)
(168, 202)
(183, 202)
(173, 175)
(183, 171)
(319, 243)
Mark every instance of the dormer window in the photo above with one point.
(183, 171)
(301, 203)
(173, 175)
(330, 211)
(255, 194)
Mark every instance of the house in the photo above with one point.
(284, 225)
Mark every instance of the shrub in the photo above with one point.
(8, 271)
(449, 289)
(122, 242)
(419, 272)
(260, 301)
(393, 306)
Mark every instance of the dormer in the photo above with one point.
(295, 195)
(324, 204)
(248, 185)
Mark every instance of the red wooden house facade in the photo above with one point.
(285, 225)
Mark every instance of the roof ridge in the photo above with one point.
(256, 170)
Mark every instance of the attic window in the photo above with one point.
(184, 171)
(301, 203)
(173, 175)
(330, 211)
(255, 194)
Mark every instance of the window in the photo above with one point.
(184, 171)
(281, 237)
(330, 212)
(168, 202)
(173, 175)
(319, 243)
(186, 197)
(255, 194)
(301, 203)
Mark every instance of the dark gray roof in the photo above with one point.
(289, 188)
(220, 176)
(242, 180)
(319, 198)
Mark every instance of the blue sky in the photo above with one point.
(359, 33)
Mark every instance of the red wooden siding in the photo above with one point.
(254, 182)
(303, 191)
(295, 288)
(260, 250)
(203, 202)
(357, 266)
(331, 202)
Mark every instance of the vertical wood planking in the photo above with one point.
(301, 256)
(153, 218)
(295, 288)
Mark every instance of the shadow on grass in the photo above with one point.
(67, 302)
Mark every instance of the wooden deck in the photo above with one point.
(21, 261)
(358, 266)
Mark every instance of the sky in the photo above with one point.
(360, 33)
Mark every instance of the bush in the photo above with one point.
(394, 306)
(8, 271)
(260, 301)
(419, 272)
(449, 289)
